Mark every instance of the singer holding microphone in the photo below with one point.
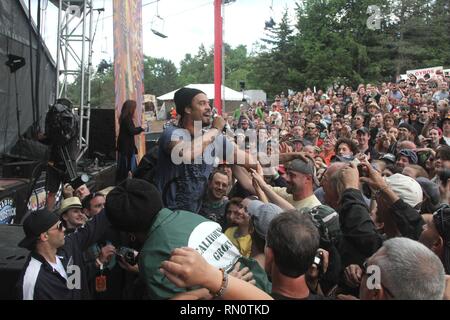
(182, 171)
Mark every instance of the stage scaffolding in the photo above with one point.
(74, 58)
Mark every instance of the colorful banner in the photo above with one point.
(420, 73)
(129, 61)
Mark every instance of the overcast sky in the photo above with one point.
(187, 23)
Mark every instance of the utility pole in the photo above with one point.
(218, 44)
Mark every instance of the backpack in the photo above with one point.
(326, 220)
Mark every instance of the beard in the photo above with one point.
(290, 188)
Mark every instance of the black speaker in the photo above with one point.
(106, 177)
(102, 134)
(15, 62)
(12, 260)
(22, 169)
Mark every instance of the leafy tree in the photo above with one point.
(160, 76)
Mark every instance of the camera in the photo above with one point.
(128, 255)
(362, 171)
(318, 259)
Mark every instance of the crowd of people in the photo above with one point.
(356, 206)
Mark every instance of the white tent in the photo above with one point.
(227, 93)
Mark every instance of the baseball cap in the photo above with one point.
(363, 130)
(35, 224)
(388, 157)
(430, 189)
(262, 215)
(301, 166)
(408, 189)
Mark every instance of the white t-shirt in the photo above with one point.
(310, 202)
(58, 266)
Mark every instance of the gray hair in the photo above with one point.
(337, 181)
(410, 271)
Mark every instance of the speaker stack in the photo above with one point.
(12, 260)
(102, 135)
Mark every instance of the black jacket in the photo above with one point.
(359, 236)
(408, 220)
(360, 239)
(40, 281)
(125, 141)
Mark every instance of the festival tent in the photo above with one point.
(227, 93)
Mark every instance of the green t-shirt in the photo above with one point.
(175, 229)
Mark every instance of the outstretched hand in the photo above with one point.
(187, 268)
(243, 274)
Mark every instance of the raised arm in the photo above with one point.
(270, 193)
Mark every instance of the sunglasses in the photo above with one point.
(58, 227)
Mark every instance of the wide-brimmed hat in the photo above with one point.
(69, 203)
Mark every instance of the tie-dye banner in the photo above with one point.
(129, 61)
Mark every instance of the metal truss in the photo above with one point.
(74, 58)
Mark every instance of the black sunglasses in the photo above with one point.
(59, 226)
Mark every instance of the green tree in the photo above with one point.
(160, 76)
(198, 68)
(271, 68)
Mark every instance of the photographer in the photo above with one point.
(107, 260)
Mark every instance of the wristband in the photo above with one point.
(223, 287)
